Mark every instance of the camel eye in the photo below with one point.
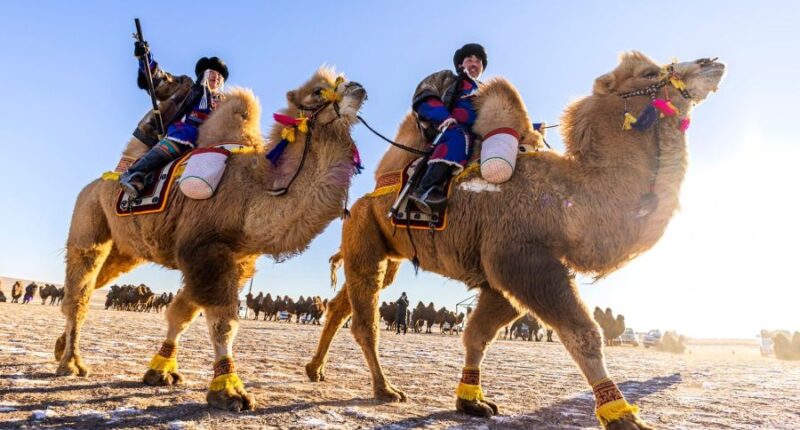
(318, 92)
(651, 74)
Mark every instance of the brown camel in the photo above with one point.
(672, 342)
(16, 292)
(611, 327)
(591, 210)
(215, 242)
(785, 348)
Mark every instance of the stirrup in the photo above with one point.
(130, 188)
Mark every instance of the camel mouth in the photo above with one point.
(354, 96)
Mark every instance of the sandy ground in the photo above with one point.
(724, 384)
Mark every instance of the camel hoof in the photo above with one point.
(157, 378)
(477, 408)
(61, 343)
(72, 367)
(314, 373)
(233, 400)
(390, 394)
(629, 422)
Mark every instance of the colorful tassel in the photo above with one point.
(226, 382)
(164, 364)
(646, 119)
(288, 134)
(275, 154)
(677, 83)
(615, 410)
(684, 125)
(110, 176)
(665, 107)
(357, 161)
(629, 121)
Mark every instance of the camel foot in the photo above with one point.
(315, 373)
(157, 377)
(477, 408)
(234, 399)
(390, 394)
(72, 367)
(61, 343)
(629, 422)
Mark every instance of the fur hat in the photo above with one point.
(212, 63)
(467, 50)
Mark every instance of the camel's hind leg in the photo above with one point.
(83, 264)
(163, 369)
(364, 284)
(545, 286)
(113, 265)
(338, 311)
(493, 312)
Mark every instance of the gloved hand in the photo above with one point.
(447, 123)
(140, 49)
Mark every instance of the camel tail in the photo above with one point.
(336, 262)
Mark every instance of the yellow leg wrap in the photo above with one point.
(226, 382)
(469, 392)
(164, 364)
(615, 410)
(110, 176)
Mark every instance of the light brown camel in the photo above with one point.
(215, 242)
(16, 292)
(590, 210)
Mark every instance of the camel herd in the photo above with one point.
(136, 298)
(48, 291)
(305, 310)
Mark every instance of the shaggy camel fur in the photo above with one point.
(521, 242)
(16, 292)
(215, 242)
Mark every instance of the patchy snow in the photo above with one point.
(41, 414)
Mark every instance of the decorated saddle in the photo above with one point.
(197, 173)
(407, 214)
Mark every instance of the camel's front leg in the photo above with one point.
(163, 369)
(226, 390)
(363, 284)
(542, 283)
(492, 313)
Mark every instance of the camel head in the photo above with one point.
(685, 84)
(328, 97)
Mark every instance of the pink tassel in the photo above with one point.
(285, 119)
(665, 107)
(684, 125)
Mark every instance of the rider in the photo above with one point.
(192, 110)
(443, 102)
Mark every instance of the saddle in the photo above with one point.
(153, 197)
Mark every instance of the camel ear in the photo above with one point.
(604, 84)
(291, 97)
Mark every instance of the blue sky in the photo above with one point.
(726, 262)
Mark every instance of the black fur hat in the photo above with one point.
(467, 50)
(212, 63)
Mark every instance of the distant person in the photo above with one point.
(402, 307)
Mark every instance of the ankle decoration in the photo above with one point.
(610, 405)
(166, 360)
(470, 386)
(225, 378)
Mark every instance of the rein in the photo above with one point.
(414, 151)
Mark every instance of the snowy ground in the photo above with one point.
(716, 385)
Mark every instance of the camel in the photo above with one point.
(254, 303)
(516, 328)
(672, 342)
(215, 242)
(786, 349)
(30, 292)
(49, 291)
(590, 210)
(611, 327)
(16, 292)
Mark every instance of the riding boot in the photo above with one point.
(133, 180)
(430, 191)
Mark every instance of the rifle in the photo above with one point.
(149, 76)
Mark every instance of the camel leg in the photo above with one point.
(363, 284)
(546, 287)
(226, 390)
(83, 265)
(336, 315)
(493, 312)
(163, 369)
